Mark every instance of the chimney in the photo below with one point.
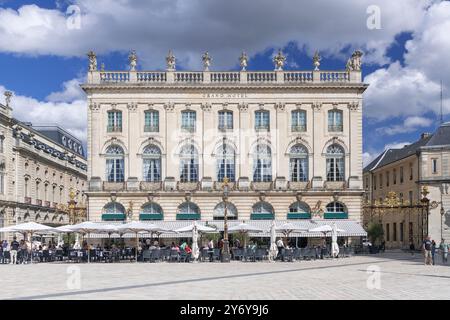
(425, 135)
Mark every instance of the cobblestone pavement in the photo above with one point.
(401, 277)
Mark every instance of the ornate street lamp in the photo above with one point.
(226, 247)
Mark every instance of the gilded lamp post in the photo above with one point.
(226, 247)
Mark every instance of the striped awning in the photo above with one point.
(352, 228)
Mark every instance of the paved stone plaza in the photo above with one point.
(402, 277)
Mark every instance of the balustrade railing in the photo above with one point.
(227, 77)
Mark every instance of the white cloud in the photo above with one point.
(71, 92)
(71, 116)
(410, 124)
(222, 27)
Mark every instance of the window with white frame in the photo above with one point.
(335, 163)
(151, 162)
(188, 120)
(335, 207)
(298, 121)
(219, 211)
(115, 168)
(151, 119)
(262, 164)
(188, 208)
(262, 207)
(262, 120)
(299, 207)
(188, 164)
(335, 120)
(152, 208)
(298, 163)
(225, 120)
(225, 163)
(114, 121)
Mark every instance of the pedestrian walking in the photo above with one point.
(412, 248)
(426, 248)
(444, 251)
(13, 252)
(433, 251)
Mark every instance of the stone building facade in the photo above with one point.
(39, 166)
(405, 171)
(161, 142)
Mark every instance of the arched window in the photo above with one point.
(151, 158)
(225, 163)
(151, 211)
(299, 210)
(188, 164)
(261, 211)
(335, 210)
(115, 164)
(113, 211)
(188, 211)
(219, 211)
(335, 163)
(262, 164)
(298, 163)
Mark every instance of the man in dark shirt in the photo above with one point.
(14, 248)
(426, 246)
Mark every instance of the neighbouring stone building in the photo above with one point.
(405, 171)
(39, 166)
(161, 142)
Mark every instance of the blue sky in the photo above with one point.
(42, 62)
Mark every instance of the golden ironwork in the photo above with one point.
(71, 209)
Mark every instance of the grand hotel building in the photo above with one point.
(161, 142)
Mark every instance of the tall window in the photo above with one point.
(26, 187)
(2, 142)
(225, 163)
(335, 121)
(394, 231)
(225, 120)
(434, 166)
(388, 232)
(401, 174)
(262, 120)
(151, 118)
(114, 121)
(115, 164)
(151, 157)
(38, 192)
(298, 163)
(188, 164)
(298, 123)
(394, 176)
(387, 179)
(188, 120)
(335, 163)
(411, 175)
(374, 182)
(2, 183)
(402, 232)
(262, 164)
(219, 211)
(381, 180)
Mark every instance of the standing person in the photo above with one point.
(444, 251)
(426, 247)
(5, 251)
(280, 247)
(433, 250)
(412, 248)
(13, 252)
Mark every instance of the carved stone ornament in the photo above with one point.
(243, 107)
(317, 106)
(353, 106)
(298, 196)
(279, 61)
(94, 106)
(206, 107)
(262, 196)
(170, 61)
(113, 197)
(354, 62)
(280, 106)
(335, 105)
(132, 58)
(8, 95)
(169, 106)
(316, 61)
(132, 106)
(188, 196)
(206, 59)
(150, 197)
(92, 61)
(243, 61)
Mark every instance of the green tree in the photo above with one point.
(375, 231)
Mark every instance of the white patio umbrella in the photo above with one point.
(273, 252)
(195, 249)
(244, 228)
(199, 227)
(325, 228)
(140, 227)
(29, 228)
(86, 227)
(334, 244)
(61, 230)
(288, 227)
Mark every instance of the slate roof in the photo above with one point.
(439, 138)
